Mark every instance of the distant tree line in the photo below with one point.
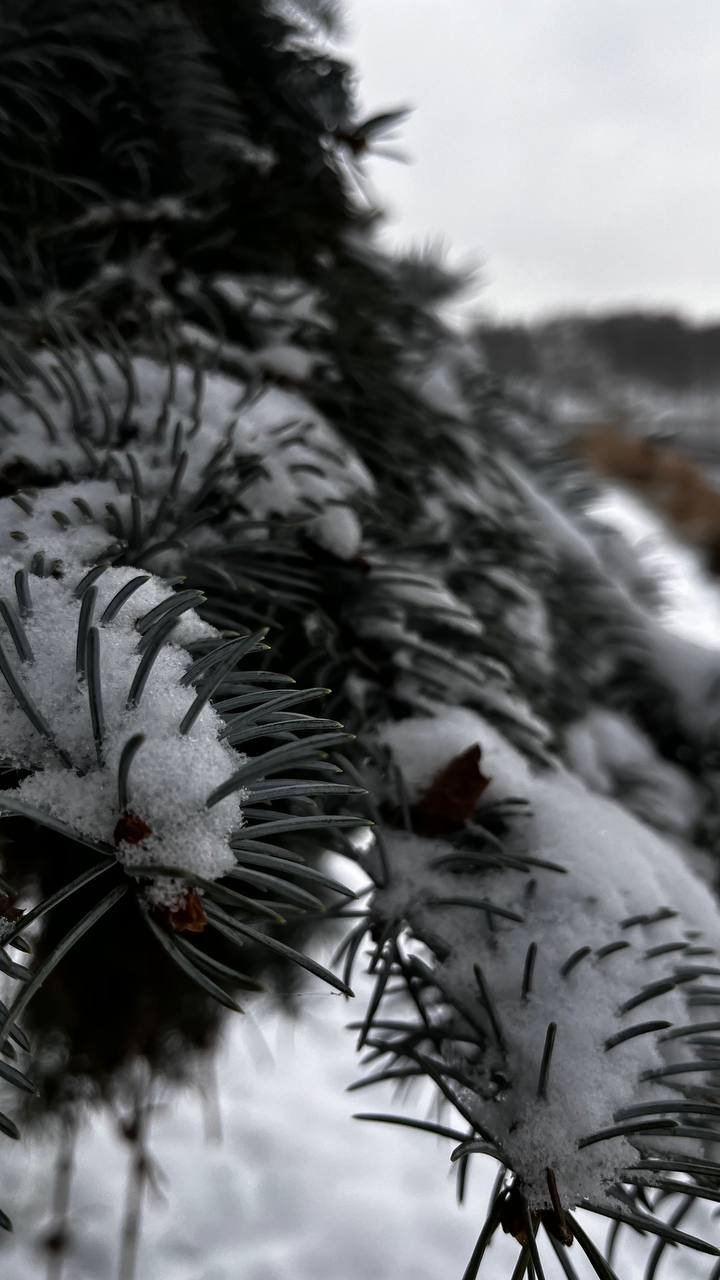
(651, 346)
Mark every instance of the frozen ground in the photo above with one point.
(295, 1188)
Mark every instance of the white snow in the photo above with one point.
(617, 868)
(171, 776)
(692, 601)
(614, 757)
(81, 541)
(305, 461)
(338, 530)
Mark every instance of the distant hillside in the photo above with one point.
(658, 348)
(635, 396)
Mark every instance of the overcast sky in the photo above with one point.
(567, 147)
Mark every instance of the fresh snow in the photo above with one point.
(615, 758)
(691, 599)
(337, 529)
(616, 868)
(304, 462)
(171, 775)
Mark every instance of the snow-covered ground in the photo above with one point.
(294, 1187)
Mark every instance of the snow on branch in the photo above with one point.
(91, 663)
(554, 957)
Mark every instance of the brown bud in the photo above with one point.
(189, 916)
(515, 1216)
(130, 829)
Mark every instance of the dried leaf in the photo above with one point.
(451, 799)
(7, 910)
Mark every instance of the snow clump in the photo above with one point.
(72, 779)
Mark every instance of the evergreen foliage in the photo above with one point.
(246, 469)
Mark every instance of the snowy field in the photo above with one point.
(292, 1186)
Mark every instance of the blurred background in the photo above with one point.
(565, 149)
(561, 156)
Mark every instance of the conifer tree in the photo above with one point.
(247, 474)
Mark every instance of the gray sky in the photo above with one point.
(566, 147)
